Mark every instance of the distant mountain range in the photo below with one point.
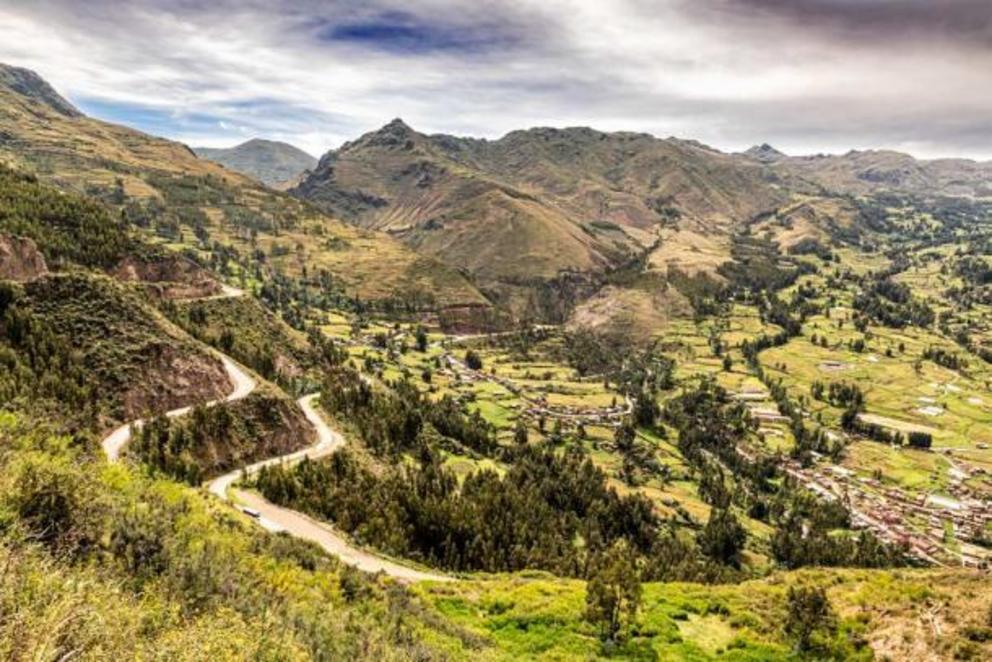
(878, 171)
(540, 223)
(561, 209)
(271, 162)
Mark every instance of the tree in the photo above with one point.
(646, 409)
(421, 337)
(728, 363)
(520, 432)
(723, 537)
(613, 593)
(625, 436)
(473, 360)
(811, 620)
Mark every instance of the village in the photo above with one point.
(941, 529)
(935, 528)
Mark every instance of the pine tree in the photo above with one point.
(811, 620)
(613, 594)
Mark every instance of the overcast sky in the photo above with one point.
(804, 75)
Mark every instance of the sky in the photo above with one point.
(806, 76)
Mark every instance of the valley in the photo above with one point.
(442, 392)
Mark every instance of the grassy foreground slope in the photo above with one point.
(900, 614)
(107, 562)
(135, 566)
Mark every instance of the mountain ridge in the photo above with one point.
(31, 85)
(166, 187)
(537, 205)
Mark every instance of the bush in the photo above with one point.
(811, 622)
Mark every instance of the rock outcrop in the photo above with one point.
(20, 259)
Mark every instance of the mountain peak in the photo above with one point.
(765, 153)
(29, 84)
(396, 124)
(393, 135)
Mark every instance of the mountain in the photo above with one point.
(191, 203)
(541, 214)
(270, 162)
(32, 86)
(764, 153)
(876, 171)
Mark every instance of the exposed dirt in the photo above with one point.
(168, 276)
(173, 379)
(243, 386)
(20, 259)
(636, 313)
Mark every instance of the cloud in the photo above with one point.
(805, 75)
(961, 21)
(405, 33)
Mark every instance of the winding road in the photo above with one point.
(270, 516)
(114, 442)
(276, 518)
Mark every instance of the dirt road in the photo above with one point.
(243, 386)
(275, 518)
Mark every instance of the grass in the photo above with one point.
(531, 616)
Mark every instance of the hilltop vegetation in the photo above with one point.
(256, 337)
(66, 228)
(213, 440)
(84, 343)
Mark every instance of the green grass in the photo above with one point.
(531, 616)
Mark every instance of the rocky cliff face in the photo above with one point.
(168, 276)
(20, 259)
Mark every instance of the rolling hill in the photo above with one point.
(270, 162)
